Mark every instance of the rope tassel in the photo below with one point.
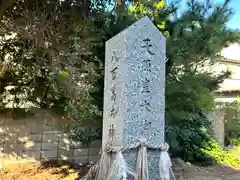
(165, 163)
(142, 162)
(118, 170)
(105, 162)
(100, 170)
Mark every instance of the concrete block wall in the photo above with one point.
(37, 138)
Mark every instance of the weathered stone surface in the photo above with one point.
(50, 136)
(81, 152)
(94, 158)
(134, 99)
(26, 137)
(96, 144)
(49, 146)
(33, 146)
(81, 159)
(51, 154)
(32, 154)
(67, 153)
(35, 137)
(94, 151)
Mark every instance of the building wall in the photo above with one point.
(217, 119)
(234, 68)
(233, 82)
(37, 138)
(229, 91)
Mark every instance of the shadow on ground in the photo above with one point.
(217, 172)
(64, 170)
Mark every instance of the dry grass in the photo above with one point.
(34, 171)
(55, 170)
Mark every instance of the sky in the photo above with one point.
(235, 21)
(234, 4)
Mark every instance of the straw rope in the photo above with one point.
(103, 168)
(92, 172)
(142, 162)
(100, 170)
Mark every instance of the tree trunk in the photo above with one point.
(119, 7)
(87, 8)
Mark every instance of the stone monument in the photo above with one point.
(134, 100)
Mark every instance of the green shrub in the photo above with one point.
(232, 122)
(187, 134)
(191, 138)
(234, 141)
(227, 157)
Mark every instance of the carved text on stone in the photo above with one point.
(113, 72)
(146, 64)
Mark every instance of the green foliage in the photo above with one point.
(83, 121)
(50, 52)
(227, 157)
(193, 43)
(188, 134)
(50, 59)
(231, 122)
(55, 59)
(85, 135)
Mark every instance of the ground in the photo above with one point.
(65, 171)
(35, 171)
(191, 172)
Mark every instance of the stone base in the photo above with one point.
(153, 163)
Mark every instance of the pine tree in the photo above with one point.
(58, 44)
(194, 40)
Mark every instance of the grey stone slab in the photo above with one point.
(49, 145)
(50, 137)
(66, 153)
(81, 152)
(66, 143)
(81, 159)
(96, 144)
(94, 158)
(35, 137)
(94, 151)
(31, 154)
(76, 144)
(33, 146)
(49, 154)
(134, 89)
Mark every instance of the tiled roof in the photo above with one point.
(232, 61)
(229, 85)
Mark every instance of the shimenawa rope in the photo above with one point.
(119, 169)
